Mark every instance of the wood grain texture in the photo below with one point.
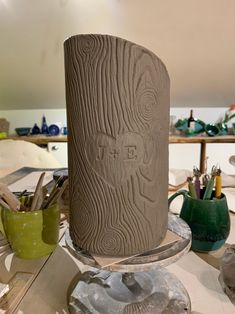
(117, 96)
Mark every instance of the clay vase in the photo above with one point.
(117, 96)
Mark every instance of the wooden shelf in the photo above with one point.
(173, 139)
(202, 140)
(39, 139)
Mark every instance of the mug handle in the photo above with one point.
(180, 192)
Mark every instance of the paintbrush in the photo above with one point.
(57, 194)
(218, 183)
(210, 185)
(53, 192)
(197, 182)
(191, 187)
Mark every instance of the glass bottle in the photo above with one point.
(191, 121)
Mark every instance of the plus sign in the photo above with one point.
(114, 153)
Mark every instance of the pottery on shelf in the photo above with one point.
(182, 125)
(53, 130)
(35, 130)
(44, 128)
(22, 131)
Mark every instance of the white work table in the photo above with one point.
(47, 291)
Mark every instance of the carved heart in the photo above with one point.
(115, 159)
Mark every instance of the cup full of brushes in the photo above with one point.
(205, 210)
(31, 234)
(30, 223)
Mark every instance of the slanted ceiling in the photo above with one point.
(195, 39)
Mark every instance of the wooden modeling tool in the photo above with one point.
(38, 192)
(9, 198)
(41, 198)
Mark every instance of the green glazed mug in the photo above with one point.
(32, 234)
(208, 220)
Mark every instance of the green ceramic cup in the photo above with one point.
(209, 220)
(33, 234)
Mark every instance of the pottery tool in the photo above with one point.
(218, 183)
(197, 182)
(209, 189)
(9, 198)
(41, 198)
(53, 192)
(57, 194)
(22, 193)
(26, 201)
(205, 179)
(37, 192)
(191, 187)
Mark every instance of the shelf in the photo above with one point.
(202, 140)
(38, 139)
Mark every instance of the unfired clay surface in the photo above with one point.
(117, 96)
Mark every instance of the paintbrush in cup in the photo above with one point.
(57, 194)
(53, 192)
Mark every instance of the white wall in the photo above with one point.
(28, 117)
(194, 38)
(185, 156)
(208, 114)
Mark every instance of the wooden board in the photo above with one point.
(16, 289)
(17, 275)
(38, 139)
(102, 261)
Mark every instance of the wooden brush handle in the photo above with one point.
(9, 197)
(37, 192)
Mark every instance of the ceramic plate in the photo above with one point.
(54, 129)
